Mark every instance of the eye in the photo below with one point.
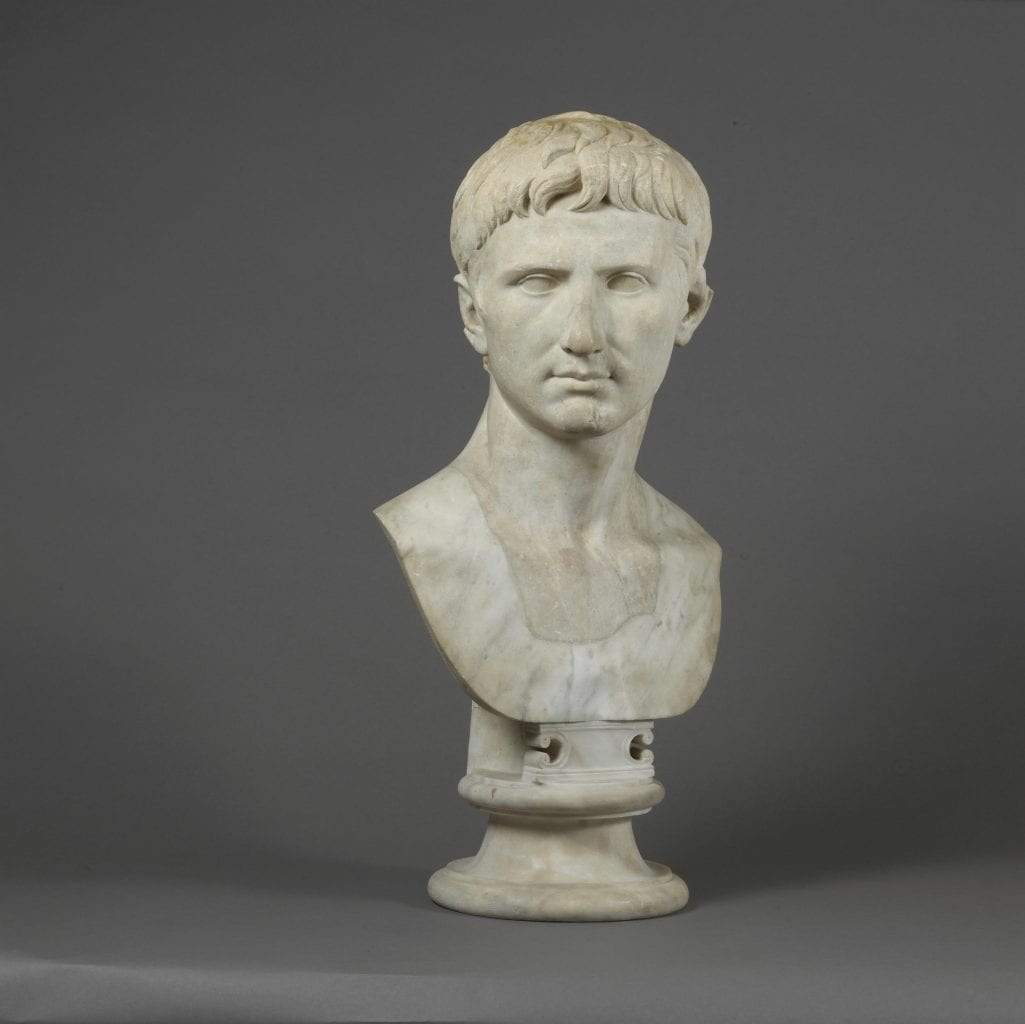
(537, 284)
(626, 283)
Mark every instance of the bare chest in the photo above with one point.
(581, 592)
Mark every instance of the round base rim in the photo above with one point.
(456, 889)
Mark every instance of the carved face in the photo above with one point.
(578, 313)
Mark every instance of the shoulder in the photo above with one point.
(690, 606)
(677, 530)
(434, 513)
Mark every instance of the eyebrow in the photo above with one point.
(533, 268)
(619, 267)
(623, 267)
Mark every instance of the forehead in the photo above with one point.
(606, 236)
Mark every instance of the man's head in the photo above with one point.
(580, 242)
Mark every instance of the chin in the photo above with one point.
(582, 417)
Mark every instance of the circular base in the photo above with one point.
(458, 889)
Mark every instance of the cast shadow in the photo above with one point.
(342, 880)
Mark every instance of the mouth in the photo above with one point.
(583, 376)
(581, 383)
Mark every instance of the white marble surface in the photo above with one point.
(574, 602)
(559, 844)
(654, 665)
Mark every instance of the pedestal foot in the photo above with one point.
(559, 845)
(458, 888)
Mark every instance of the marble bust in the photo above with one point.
(567, 595)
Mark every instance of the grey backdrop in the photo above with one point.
(229, 332)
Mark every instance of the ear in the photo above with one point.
(472, 326)
(698, 302)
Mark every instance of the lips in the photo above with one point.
(582, 375)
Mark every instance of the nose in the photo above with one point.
(584, 335)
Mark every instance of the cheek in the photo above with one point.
(513, 349)
(667, 314)
(645, 349)
(515, 325)
(646, 329)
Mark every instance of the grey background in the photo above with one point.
(229, 331)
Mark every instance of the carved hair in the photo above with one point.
(602, 159)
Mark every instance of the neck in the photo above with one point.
(570, 488)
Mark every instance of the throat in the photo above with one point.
(572, 521)
(566, 490)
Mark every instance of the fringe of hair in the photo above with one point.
(590, 155)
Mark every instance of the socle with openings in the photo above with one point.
(574, 602)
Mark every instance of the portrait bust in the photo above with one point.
(558, 585)
(574, 602)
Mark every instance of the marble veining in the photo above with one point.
(655, 665)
